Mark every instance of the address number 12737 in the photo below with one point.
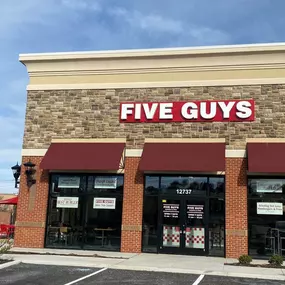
(183, 191)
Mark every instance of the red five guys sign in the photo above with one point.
(194, 111)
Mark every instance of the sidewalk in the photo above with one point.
(147, 262)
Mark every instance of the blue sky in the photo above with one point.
(74, 25)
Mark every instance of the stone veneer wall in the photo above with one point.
(95, 114)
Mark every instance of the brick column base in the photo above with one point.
(24, 237)
(132, 207)
(32, 208)
(236, 207)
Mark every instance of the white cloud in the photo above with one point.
(148, 22)
(207, 35)
(91, 5)
(157, 23)
(14, 14)
(117, 11)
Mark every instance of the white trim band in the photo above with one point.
(265, 140)
(114, 140)
(160, 84)
(135, 152)
(185, 140)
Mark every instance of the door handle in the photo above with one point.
(182, 232)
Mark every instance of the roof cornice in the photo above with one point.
(168, 52)
(239, 62)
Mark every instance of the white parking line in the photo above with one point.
(198, 280)
(85, 277)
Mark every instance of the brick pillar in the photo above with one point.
(32, 208)
(132, 207)
(236, 207)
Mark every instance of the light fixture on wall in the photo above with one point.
(16, 173)
(30, 172)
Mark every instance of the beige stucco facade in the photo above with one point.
(213, 66)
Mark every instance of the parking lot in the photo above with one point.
(30, 274)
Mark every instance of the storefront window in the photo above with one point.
(216, 226)
(150, 213)
(64, 227)
(266, 222)
(103, 225)
(85, 211)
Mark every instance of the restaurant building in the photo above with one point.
(161, 150)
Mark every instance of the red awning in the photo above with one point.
(266, 157)
(185, 157)
(83, 156)
(10, 201)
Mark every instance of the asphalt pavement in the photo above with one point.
(33, 274)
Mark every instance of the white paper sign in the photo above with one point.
(269, 208)
(105, 182)
(269, 186)
(68, 182)
(67, 202)
(104, 203)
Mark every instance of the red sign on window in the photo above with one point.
(194, 111)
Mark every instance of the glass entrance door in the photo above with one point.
(195, 226)
(183, 226)
(171, 225)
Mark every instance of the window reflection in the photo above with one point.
(196, 184)
(67, 184)
(216, 185)
(266, 187)
(151, 184)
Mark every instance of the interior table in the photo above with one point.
(103, 230)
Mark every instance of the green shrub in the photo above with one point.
(245, 259)
(276, 260)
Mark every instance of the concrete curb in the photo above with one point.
(199, 272)
(10, 263)
(86, 264)
(256, 276)
(66, 252)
